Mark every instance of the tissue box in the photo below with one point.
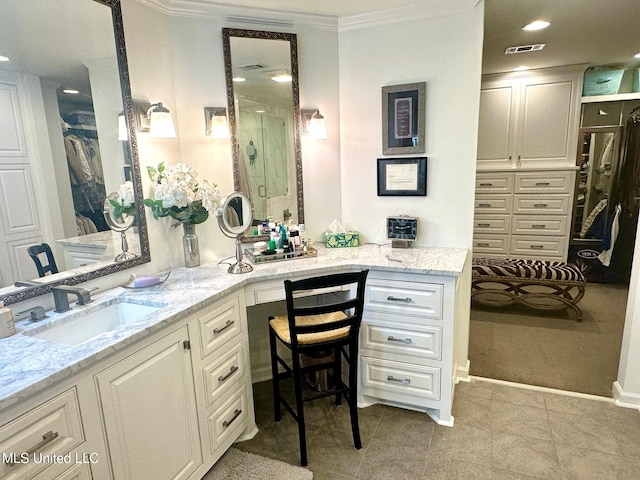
(341, 240)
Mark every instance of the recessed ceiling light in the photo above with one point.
(239, 79)
(537, 25)
(3, 58)
(522, 68)
(282, 77)
(70, 91)
(637, 55)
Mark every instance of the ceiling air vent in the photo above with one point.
(251, 66)
(524, 48)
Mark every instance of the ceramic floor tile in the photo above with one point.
(520, 420)
(384, 461)
(526, 456)
(519, 396)
(585, 432)
(581, 464)
(404, 427)
(333, 451)
(463, 443)
(472, 411)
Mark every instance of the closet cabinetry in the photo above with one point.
(529, 120)
(406, 355)
(523, 214)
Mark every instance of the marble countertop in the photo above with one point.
(28, 365)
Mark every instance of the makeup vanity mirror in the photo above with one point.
(235, 217)
(60, 155)
(264, 118)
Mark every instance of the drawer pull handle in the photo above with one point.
(540, 205)
(391, 338)
(46, 439)
(543, 184)
(486, 184)
(484, 205)
(236, 414)
(484, 224)
(391, 378)
(537, 247)
(232, 370)
(538, 225)
(482, 244)
(226, 325)
(391, 298)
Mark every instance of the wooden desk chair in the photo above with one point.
(311, 330)
(50, 267)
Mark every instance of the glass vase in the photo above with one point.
(190, 245)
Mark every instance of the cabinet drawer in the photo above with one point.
(500, 224)
(544, 182)
(52, 429)
(423, 343)
(398, 381)
(541, 204)
(539, 225)
(80, 471)
(224, 372)
(530, 246)
(494, 182)
(493, 203)
(491, 244)
(228, 420)
(219, 325)
(411, 300)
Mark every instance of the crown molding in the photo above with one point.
(287, 19)
(425, 9)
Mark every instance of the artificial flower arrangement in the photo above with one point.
(179, 194)
(123, 201)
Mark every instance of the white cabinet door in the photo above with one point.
(149, 408)
(496, 127)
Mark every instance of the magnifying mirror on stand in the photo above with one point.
(120, 222)
(235, 217)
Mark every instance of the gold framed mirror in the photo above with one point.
(261, 70)
(47, 43)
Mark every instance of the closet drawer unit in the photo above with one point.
(494, 182)
(539, 225)
(224, 372)
(499, 224)
(542, 204)
(425, 342)
(544, 182)
(410, 302)
(50, 430)
(493, 203)
(228, 420)
(399, 381)
(219, 325)
(489, 245)
(537, 247)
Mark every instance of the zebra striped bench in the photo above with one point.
(538, 284)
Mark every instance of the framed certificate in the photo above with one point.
(402, 176)
(403, 118)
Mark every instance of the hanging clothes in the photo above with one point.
(603, 170)
(606, 255)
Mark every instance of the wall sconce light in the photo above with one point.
(123, 134)
(154, 118)
(313, 124)
(216, 125)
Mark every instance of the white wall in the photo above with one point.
(425, 49)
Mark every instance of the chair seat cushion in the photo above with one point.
(280, 325)
(526, 269)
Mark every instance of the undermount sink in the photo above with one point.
(79, 327)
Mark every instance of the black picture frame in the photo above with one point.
(403, 118)
(405, 176)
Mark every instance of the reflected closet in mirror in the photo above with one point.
(61, 95)
(261, 71)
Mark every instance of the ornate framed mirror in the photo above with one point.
(64, 152)
(261, 71)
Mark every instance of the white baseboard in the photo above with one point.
(462, 373)
(625, 399)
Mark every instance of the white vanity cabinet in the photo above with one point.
(529, 119)
(523, 214)
(406, 344)
(149, 411)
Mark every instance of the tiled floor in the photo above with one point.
(501, 432)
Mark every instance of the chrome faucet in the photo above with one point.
(61, 296)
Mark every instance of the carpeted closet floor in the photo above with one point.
(551, 349)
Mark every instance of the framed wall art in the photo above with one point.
(403, 118)
(402, 176)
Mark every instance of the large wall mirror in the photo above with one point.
(62, 92)
(264, 118)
